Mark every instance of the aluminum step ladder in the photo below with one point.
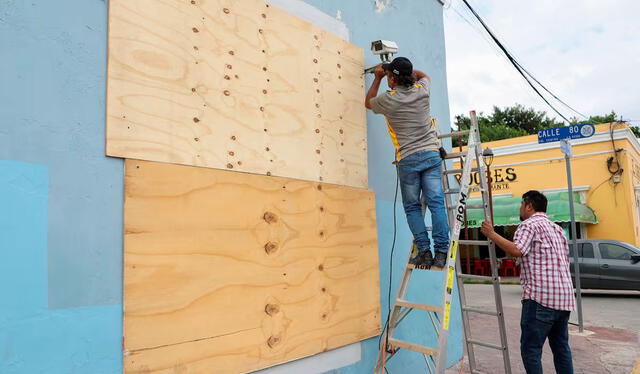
(439, 315)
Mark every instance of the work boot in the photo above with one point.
(440, 260)
(422, 260)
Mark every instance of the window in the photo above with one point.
(614, 252)
(585, 250)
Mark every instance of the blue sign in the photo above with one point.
(583, 130)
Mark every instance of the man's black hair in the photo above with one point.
(537, 200)
(404, 80)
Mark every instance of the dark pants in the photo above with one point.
(539, 323)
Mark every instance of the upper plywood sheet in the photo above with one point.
(230, 272)
(238, 85)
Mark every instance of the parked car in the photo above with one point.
(607, 264)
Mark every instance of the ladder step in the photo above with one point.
(484, 344)
(454, 133)
(413, 267)
(452, 191)
(413, 347)
(479, 311)
(475, 277)
(473, 242)
(456, 155)
(457, 171)
(409, 304)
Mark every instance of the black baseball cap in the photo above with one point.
(399, 66)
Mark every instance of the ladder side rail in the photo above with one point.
(450, 270)
(492, 250)
(392, 318)
(466, 324)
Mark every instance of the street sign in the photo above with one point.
(565, 147)
(564, 134)
(583, 130)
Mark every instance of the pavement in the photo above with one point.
(610, 343)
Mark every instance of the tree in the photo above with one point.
(611, 117)
(509, 122)
(517, 120)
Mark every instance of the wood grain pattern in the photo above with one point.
(230, 272)
(238, 85)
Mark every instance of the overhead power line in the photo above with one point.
(528, 77)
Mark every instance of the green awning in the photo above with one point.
(506, 210)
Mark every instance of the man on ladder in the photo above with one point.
(418, 154)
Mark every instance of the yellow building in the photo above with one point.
(606, 178)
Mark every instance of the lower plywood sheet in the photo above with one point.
(229, 272)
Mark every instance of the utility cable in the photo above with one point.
(393, 247)
(523, 72)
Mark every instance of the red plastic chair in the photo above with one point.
(509, 268)
(481, 267)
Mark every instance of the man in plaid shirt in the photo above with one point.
(548, 296)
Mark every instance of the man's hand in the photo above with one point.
(379, 73)
(487, 228)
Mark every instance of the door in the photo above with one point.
(616, 270)
(589, 266)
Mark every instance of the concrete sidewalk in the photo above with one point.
(600, 349)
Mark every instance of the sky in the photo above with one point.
(587, 52)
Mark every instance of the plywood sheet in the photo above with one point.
(230, 272)
(238, 85)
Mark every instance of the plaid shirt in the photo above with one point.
(545, 275)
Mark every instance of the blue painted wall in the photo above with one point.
(61, 205)
(61, 199)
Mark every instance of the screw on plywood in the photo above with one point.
(226, 10)
(196, 119)
(229, 166)
(231, 153)
(195, 29)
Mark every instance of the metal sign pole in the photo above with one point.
(566, 149)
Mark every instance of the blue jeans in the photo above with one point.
(539, 323)
(421, 172)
